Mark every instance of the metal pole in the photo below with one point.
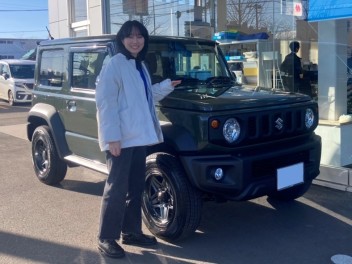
(274, 69)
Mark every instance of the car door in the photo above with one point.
(79, 113)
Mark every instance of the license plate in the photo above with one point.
(290, 176)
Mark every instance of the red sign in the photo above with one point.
(297, 9)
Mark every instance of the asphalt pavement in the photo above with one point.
(46, 224)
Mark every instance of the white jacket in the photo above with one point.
(123, 113)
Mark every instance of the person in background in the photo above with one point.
(291, 69)
(127, 123)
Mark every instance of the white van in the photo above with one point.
(16, 80)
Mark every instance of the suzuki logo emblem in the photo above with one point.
(279, 123)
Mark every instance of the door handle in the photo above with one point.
(71, 106)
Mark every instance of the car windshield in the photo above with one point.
(22, 71)
(200, 66)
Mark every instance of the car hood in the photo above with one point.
(232, 99)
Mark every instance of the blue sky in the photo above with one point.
(28, 23)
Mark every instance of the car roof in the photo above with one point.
(17, 61)
(112, 37)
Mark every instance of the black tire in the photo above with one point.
(48, 166)
(168, 188)
(11, 99)
(291, 193)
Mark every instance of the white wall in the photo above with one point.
(59, 18)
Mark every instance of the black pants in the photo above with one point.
(122, 197)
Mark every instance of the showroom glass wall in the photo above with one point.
(262, 31)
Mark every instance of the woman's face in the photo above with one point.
(134, 43)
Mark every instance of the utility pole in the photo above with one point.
(178, 15)
(239, 13)
(257, 8)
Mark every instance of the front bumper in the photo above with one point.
(23, 96)
(252, 173)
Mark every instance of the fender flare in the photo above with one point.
(178, 138)
(44, 114)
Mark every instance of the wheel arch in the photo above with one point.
(44, 114)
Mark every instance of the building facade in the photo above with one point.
(15, 48)
(255, 36)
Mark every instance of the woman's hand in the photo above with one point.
(115, 148)
(175, 82)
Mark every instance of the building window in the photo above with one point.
(79, 18)
(162, 17)
(2, 57)
(79, 10)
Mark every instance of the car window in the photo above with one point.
(86, 66)
(22, 71)
(198, 64)
(5, 69)
(195, 60)
(51, 68)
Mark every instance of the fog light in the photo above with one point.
(218, 174)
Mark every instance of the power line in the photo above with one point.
(23, 10)
(22, 31)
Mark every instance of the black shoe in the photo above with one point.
(138, 240)
(110, 248)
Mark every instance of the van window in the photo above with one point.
(4, 69)
(86, 67)
(22, 71)
(51, 71)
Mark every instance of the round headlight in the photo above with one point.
(231, 130)
(309, 118)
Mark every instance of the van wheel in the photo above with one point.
(11, 99)
(291, 193)
(171, 206)
(48, 166)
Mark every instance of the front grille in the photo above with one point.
(264, 126)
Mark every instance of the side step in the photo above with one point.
(91, 164)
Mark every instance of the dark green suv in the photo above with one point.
(222, 141)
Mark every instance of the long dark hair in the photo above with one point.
(125, 31)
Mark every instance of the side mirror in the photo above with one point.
(6, 76)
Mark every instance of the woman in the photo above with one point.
(127, 123)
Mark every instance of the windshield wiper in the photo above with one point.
(219, 81)
(188, 83)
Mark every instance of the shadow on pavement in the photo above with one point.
(309, 230)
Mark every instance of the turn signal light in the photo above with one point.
(215, 123)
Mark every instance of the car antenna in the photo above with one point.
(50, 36)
